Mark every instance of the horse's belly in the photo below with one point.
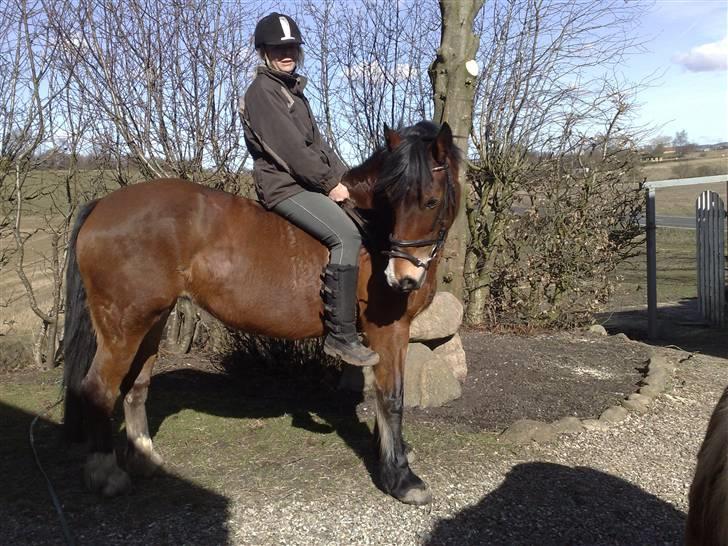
(272, 289)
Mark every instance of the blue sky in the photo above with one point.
(687, 43)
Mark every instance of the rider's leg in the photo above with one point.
(318, 215)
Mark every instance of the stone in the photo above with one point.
(650, 391)
(438, 385)
(524, 431)
(657, 379)
(428, 380)
(417, 355)
(568, 425)
(595, 424)
(453, 354)
(622, 336)
(614, 415)
(658, 361)
(356, 378)
(641, 398)
(598, 329)
(440, 320)
(635, 405)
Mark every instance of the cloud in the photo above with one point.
(376, 73)
(708, 57)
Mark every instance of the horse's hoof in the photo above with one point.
(102, 474)
(141, 458)
(417, 496)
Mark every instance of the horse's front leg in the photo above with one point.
(395, 474)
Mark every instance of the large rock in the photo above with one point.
(453, 354)
(428, 380)
(441, 319)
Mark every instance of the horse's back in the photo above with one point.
(153, 242)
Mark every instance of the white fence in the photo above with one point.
(710, 256)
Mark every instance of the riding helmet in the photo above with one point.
(277, 29)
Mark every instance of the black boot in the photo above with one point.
(340, 303)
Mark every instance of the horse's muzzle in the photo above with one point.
(408, 284)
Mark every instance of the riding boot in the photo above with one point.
(340, 303)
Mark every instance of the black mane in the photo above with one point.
(407, 167)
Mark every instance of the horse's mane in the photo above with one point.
(403, 169)
(407, 167)
(392, 176)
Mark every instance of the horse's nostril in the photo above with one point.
(407, 284)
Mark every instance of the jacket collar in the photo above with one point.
(294, 82)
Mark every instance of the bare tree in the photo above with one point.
(548, 100)
(164, 80)
(42, 202)
(368, 66)
(453, 74)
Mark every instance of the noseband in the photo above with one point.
(436, 244)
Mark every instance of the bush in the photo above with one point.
(548, 251)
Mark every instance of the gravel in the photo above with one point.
(624, 485)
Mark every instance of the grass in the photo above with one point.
(694, 164)
(222, 444)
(676, 272)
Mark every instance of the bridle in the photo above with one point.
(437, 243)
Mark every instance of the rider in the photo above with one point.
(298, 176)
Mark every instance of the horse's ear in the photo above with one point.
(391, 137)
(443, 144)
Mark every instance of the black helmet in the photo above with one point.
(277, 29)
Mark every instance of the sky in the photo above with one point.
(687, 48)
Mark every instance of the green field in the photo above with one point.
(676, 273)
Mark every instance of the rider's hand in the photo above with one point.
(339, 193)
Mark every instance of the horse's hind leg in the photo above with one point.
(111, 367)
(141, 458)
(100, 389)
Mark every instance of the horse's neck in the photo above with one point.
(361, 179)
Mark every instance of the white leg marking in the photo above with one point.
(386, 442)
(101, 473)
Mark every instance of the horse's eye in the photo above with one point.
(432, 203)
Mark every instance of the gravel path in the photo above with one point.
(626, 485)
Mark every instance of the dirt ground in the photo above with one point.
(542, 377)
(234, 428)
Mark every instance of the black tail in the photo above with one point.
(79, 338)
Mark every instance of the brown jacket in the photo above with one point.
(280, 132)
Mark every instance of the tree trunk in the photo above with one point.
(454, 89)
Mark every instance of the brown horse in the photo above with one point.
(707, 523)
(137, 250)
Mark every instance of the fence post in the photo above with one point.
(651, 266)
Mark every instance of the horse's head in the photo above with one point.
(418, 179)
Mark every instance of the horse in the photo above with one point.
(135, 251)
(707, 522)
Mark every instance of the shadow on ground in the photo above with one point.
(679, 325)
(162, 510)
(551, 504)
(249, 388)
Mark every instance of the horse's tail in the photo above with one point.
(79, 338)
(707, 522)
